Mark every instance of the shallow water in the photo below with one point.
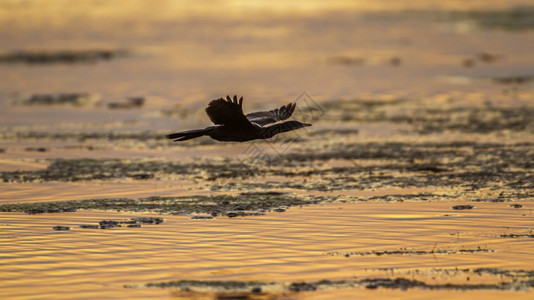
(301, 244)
(416, 107)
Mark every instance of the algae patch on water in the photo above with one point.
(426, 118)
(102, 169)
(434, 251)
(61, 56)
(75, 99)
(521, 280)
(520, 18)
(240, 205)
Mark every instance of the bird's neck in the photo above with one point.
(270, 131)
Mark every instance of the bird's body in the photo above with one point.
(232, 125)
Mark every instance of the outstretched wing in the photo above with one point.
(228, 112)
(267, 117)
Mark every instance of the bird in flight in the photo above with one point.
(232, 125)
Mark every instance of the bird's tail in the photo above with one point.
(187, 135)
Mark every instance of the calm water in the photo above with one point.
(181, 54)
(299, 245)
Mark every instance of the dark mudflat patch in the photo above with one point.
(429, 120)
(463, 207)
(522, 280)
(226, 285)
(519, 18)
(244, 204)
(61, 228)
(131, 223)
(75, 99)
(422, 197)
(517, 79)
(408, 252)
(518, 235)
(101, 169)
(515, 19)
(462, 166)
(48, 210)
(502, 273)
(476, 120)
(61, 56)
(36, 149)
(483, 57)
(417, 156)
(201, 217)
(466, 164)
(132, 102)
(362, 110)
(84, 136)
(89, 226)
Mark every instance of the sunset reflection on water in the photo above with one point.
(383, 72)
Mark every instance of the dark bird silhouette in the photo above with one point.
(231, 125)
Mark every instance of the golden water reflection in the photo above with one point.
(181, 54)
(302, 244)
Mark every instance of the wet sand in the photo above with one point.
(415, 180)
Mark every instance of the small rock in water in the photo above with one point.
(142, 176)
(149, 220)
(134, 225)
(395, 61)
(279, 210)
(61, 227)
(132, 102)
(468, 62)
(105, 224)
(129, 222)
(89, 226)
(36, 149)
(516, 205)
(302, 287)
(201, 217)
(460, 207)
(244, 214)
